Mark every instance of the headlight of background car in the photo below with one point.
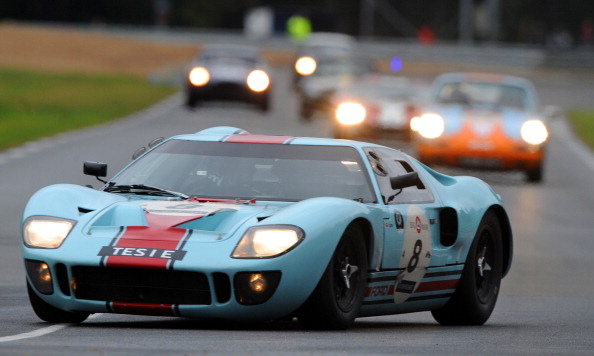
(199, 76)
(350, 113)
(428, 125)
(268, 241)
(305, 66)
(534, 132)
(46, 231)
(258, 80)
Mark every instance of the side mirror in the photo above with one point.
(96, 169)
(405, 180)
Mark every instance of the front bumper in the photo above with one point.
(207, 283)
(511, 156)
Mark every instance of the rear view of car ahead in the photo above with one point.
(229, 72)
(224, 224)
(375, 106)
(483, 121)
(318, 47)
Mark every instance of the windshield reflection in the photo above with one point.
(246, 171)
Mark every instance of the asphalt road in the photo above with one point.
(546, 304)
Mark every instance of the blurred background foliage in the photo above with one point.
(519, 21)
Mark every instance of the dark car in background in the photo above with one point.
(320, 45)
(229, 73)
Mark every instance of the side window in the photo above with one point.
(388, 163)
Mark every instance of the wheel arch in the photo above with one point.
(368, 235)
(506, 235)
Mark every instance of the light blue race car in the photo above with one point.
(229, 225)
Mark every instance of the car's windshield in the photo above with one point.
(250, 170)
(484, 94)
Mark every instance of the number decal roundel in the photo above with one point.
(416, 254)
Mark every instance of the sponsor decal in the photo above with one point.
(383, 286)
(379, 291)
(416, 254)
(160, 243)
(399, 220)
(142, 252)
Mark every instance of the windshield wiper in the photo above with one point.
(143, 189)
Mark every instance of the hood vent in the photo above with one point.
(84, 210)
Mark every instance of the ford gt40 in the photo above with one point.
(230, 225)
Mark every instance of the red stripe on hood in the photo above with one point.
(247, 138)
(160, 233)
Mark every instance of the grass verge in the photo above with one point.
(38, 104)
(583, 125)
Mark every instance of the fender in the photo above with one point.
(68, 201)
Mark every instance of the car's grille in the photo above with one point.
(135, 285)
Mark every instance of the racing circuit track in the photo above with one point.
(545, 306)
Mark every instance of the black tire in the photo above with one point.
(50, 313)
(264, 104)
(476, 294)
(306, 112)
(191, 100)
(534, 175)
(336, 301)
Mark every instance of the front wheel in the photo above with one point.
(476, 294)
(50, 313)
(534, 175)
(336, 301)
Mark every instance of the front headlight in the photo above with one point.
(258, 80)
(350, 113)
(534, 132)
(199, 76)
(268, 241)
(46, 231)
(428, 125)
(305, 66)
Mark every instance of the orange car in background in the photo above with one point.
(480, 120)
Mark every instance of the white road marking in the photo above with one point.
(34, 333)
(39, 332)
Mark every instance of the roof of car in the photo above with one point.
(483, 77)
(237, 135)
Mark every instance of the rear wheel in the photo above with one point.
(50, 313)
(336, 301)
(476, 294)
(264, 103)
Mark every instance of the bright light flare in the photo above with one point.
(258, 80)
(46, 233)
(306, 66)
(428, 125)
(199, 76)
(262, 242)
(350, 113)
(534, 132)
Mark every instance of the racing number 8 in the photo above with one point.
(414, 259)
